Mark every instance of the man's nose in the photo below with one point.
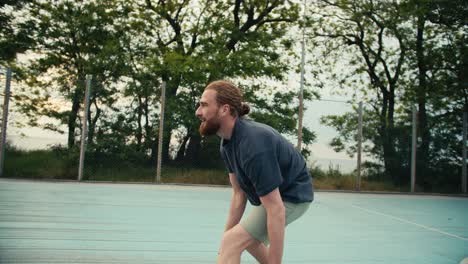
(198, 112)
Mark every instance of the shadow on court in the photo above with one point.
(68, 222)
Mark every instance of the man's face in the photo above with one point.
(207, 112)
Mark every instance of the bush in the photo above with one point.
(62, 163)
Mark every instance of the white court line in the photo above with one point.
(412, 223)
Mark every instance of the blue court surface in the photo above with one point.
(69, 222)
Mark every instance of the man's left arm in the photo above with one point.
(276, 217)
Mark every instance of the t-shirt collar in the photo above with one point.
(236, 129)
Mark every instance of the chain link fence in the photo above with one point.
(138, 136)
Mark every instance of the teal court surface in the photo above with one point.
(70, 222)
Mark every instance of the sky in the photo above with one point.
(322, 154)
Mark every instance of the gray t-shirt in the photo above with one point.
(263, 160)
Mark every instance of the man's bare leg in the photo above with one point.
(259, 251)
(234, 242)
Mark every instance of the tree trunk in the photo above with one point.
(391, 160)
(139, 132)
(193, 149)
(181, 152)
(171, 93)
(149, 137)
(387, 137)
(92, 123)
(423, 151)
(72, 118)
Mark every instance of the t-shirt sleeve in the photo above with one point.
(264, 172)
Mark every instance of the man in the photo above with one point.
(264, 168)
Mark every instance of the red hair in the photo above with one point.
(228, 93)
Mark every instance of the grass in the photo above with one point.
(168, 175)
(37, 164)
(48, 164)
(334, 179)
(349, 183)
(196, 176)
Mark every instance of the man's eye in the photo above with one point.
(197, 106)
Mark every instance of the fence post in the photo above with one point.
(6, 100)
(465, 125)
(413, 148)
(161, 131)
(84, 132)
(359, 148)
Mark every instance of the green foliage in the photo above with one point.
(393, 69)
(70, 40)
(392, 54)
(130, 48)
(42, 164)
(61, 163)
(206, 44)
(334, 179)
(12, 39)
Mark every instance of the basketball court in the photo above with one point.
(71, 222)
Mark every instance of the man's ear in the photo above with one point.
(226, 109)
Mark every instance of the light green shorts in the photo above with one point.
(256, 222)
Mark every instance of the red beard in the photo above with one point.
(209, 127)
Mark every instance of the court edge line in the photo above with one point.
(412, 223)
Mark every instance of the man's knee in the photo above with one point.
(236, 240)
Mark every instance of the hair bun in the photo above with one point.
(245, 109)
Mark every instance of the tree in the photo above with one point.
(423, 43)
(72, 40)
(131, 47)
(437, 52)
(199, 43)
(371, 34)
(12, 40)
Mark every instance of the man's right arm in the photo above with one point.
(238, 202)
